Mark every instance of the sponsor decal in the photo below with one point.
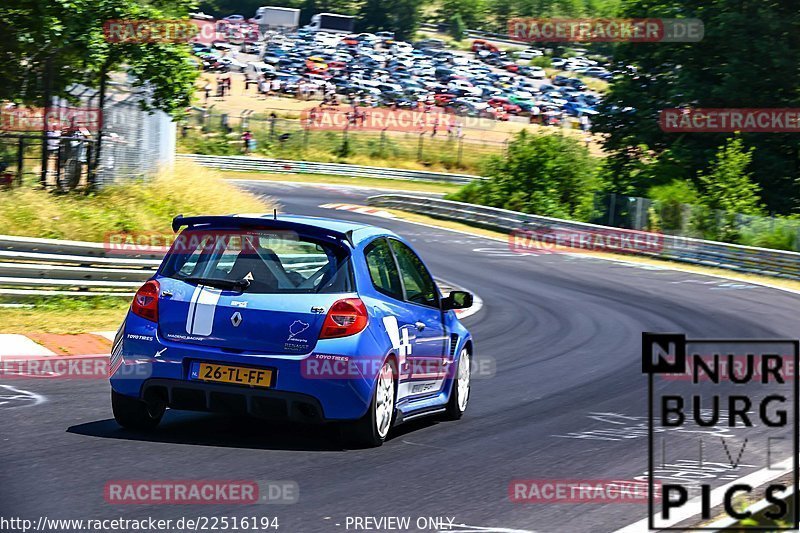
(293, 342)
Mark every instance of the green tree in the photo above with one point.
(457, 28)
(399, 16)
(747, 59)
(728, 185)
(542, 174)
(473, 12)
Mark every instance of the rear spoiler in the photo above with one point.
(228, 221)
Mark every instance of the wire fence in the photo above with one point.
(697, 221)
(221, 134)
(57, 147)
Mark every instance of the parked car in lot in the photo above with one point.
(528, 54)
(245, 311)
(507, 105)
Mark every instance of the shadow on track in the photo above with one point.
(208, 429)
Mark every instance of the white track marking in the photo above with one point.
(15, 394)
(106, 334)
(361, 209)
(12, 344)
(480, 529)
(692, 507)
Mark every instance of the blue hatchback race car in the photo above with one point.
(292, 318)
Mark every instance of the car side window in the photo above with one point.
(419, 284)
(383, 269)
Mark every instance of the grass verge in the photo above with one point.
(137, 206)
(134, 206)
(62, 314)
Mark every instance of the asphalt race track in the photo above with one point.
(564, 333)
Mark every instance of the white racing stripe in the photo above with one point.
(203, 306)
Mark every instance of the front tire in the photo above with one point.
(371, 430)
(459, 395)
(135, 414)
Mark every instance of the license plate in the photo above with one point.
(240, 375)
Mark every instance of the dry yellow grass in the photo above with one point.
(67, 321)
(136, 206)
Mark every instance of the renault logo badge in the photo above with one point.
(236, 319)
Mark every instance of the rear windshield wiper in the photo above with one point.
(220, 283)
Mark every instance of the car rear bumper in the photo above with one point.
(269, 404)
(145, 361)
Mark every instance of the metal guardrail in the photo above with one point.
(498, 37)
(747, 259)
(246, 163)
(51, 267)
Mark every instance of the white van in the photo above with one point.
(255, 69)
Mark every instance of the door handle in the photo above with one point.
(420, 325)
(166, 294)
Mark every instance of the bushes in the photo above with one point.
(548, 175)
(541, 61)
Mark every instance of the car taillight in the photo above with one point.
(145, 303)
(345, 317)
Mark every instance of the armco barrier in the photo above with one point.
(50, 267)
(245, 163)
(749, 259)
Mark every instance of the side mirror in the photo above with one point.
(457, 300)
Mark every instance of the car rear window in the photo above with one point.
(272, 262)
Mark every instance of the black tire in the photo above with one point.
(364, 432)
(454, 410)
(131, 413)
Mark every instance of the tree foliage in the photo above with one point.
(48, 45)
(548, 175)
(727, 184)
(457, 27)
(747, 59)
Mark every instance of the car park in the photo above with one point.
(402, 74)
